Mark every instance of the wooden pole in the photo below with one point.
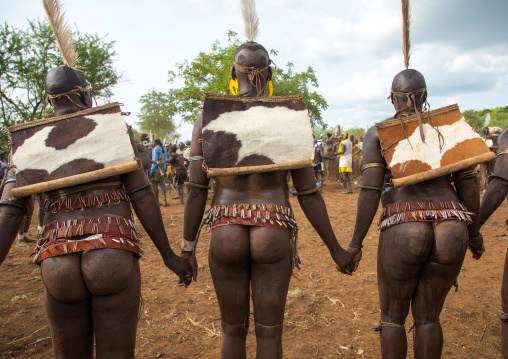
(237, 171)
(75, 180)
(424, 176)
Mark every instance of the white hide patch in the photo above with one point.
(488, 142)
(428, 152)
(107, 144)
(281, 134)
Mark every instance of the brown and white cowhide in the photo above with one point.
(71, 146)
(240, 134)
(406, 154)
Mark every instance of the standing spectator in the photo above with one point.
(330, 147)
(179, 164)
(159, 154)
(346, 163)
(318, 161)
(181, 148)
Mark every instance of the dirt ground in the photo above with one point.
(328, 315)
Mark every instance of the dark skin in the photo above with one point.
(418, 261)
(329, 160)
(96, 293)
(346, 176)
(169, 160)
(495, 195)
(160, 183)
(242, 257)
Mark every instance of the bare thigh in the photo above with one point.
(67, 304)
(113, 278)
(270, 273)
(229, 259)
(403, 250)
(440, 271)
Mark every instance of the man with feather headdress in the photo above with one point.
(254, 233)
(424, 226)
(88, 249)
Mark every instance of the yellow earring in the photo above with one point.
(270, 88)
(233, 86)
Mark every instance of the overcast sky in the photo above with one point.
(354, 46)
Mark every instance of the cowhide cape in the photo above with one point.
(252, 135)
(68, 145)
(458, 146)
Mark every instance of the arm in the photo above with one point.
(468, 192)
(149, 214)
(370, 194)
(496, 191)
(314, 208)
(168, 160)
(196, 198)
(11, 217)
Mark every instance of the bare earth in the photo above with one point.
(328, 315)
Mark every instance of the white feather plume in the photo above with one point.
(251, 19)
(62, 32)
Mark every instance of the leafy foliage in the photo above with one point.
(208, 72)
(357, 132)
(498, 117)
(320, 131)
(26, 55)
(211, 72)
(157, 113)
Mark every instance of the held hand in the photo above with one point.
(190, 258)
(356, 253)
(181, 269)
(344, 261)
(476, 246)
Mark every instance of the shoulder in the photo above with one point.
(503, 141)
(370, 135)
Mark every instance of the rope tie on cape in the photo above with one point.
(75, 90)
(255, 75)
(411, 99)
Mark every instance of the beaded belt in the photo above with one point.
(403, 212)
(107, 232)
(262, 215)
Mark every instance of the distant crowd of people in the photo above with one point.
(166, 164)
(338, 158)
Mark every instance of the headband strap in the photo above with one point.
(255, 75)
(76, 90)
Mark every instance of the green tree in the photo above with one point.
(320, 131)
(211, 72)
(26, 55)
(498, 117)
(157, 112)
(357, 132)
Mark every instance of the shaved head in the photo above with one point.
(252, 54)
(63, 79)
(408, 81)
(405, 84)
